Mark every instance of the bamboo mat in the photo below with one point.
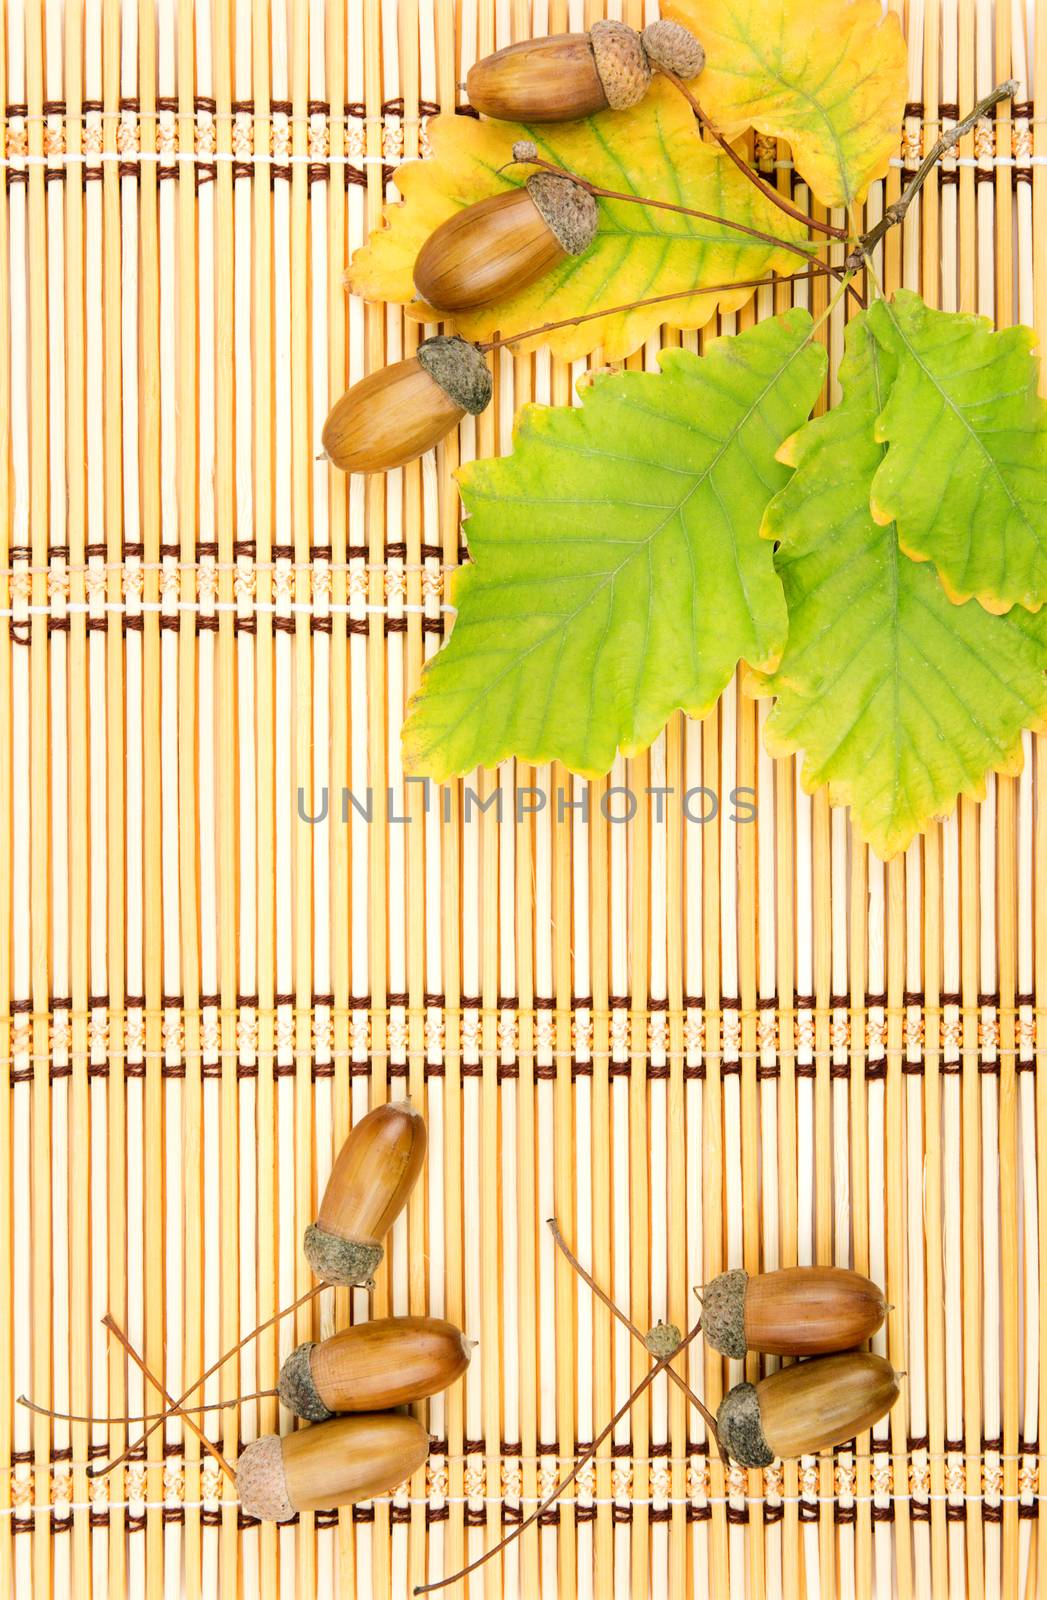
(699, 1046)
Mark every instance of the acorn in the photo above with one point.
(373, 1367)
(502, 243)
(397, 413)
(796, 1311)
(805, 1407)
(372, 1176)
(334, 1464)
(566, 76)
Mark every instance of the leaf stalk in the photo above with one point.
(766, 189)
(817, 269)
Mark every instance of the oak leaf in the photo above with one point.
(965, 474)
(899, 700)
(618, 570)
(829, 76)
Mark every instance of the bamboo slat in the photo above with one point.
(699, 1046)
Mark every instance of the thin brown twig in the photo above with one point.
(310, 1294)
(766, 189)
(148, 1416)
(600, 193)
(616, 1310)
(114, 1328)
(565, 1483)
(817, 270)
(895, 212)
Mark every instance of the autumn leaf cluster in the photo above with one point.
(880, 570)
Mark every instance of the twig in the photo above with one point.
(118, 1334)
(600, 193)
(765, 188)
(818, 269)
(615, 1310)
(310, 1294)
(149, 1416)
(896, 211)
(565, 1483)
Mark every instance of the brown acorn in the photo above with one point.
(796, 1311)
(502, 243)
(333, 1464)
(397, 413)
(805, 1407)
(373, 1367)
(373, 1174)
(566, 76)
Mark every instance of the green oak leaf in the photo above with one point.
(965, 477)
(899, 699)
(618, 570)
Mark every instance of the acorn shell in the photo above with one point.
(800, 1311)
(372, 1176)
(538, 80)
(390, 417)
(492, 249)
(373, 1366)
(806, 1407)
(397, 413)
(336, 1463)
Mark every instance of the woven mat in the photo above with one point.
(697, 1044)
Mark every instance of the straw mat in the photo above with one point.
(698, 1044)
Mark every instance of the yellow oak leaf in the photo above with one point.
(639, 251)
(827, 75)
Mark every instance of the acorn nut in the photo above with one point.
(372, 1176)
(503, 243)
(805, 1407)
(566, 76)
(795, 1311)
(373, 1366)
(397, 413)
(334, 1464)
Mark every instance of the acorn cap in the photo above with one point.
(739, 1429)
(261, 1482)
(348, 1261)
(664, 1339)
(621, 62)
(296, 1386)
(460, 370)
(673, 47)
(723, 1313)
(567, 208)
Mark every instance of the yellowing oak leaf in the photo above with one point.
(899, 700)
(618, 570)
(827, 75)
(965, 476)
(652, 149)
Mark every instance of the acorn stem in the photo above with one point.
(615, 1310)
(818, 269)
(765, 188)
(148, 1416)
(310, 1294)
(600, 193)
(109, 1322)
(645, 1382)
